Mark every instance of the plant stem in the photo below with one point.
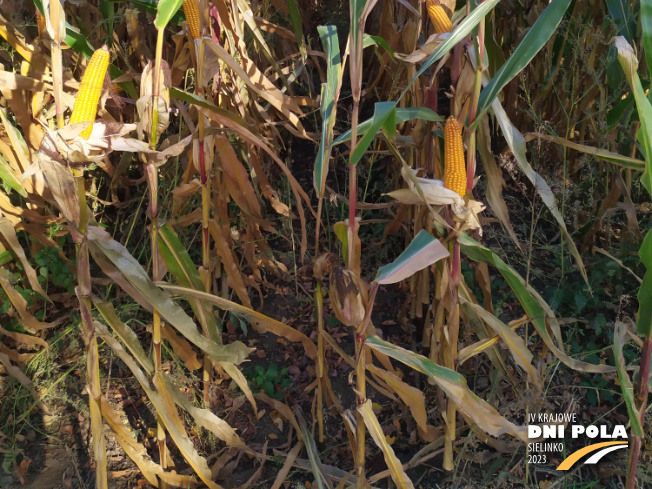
(83, 292)
(152, 179)
(361, 388)
(643, 391)
(57, 65)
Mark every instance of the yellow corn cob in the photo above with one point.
(454, 165)
(90, 90)
(191, 10)
(438, 17)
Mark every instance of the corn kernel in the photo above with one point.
(85, 108)
(454, 165)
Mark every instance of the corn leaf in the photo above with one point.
(455, 387)
(101, 243)
(622, 16)
(165, 10)
(264, 323)
(539, 311)
(321, 480)
(328, 108)
(617, 159)
(537, 36)
(138, 453)
(9, 177)
(394, 465)
(459, 33)
(8, 232)
(384, 113)
(516, 143)
(625, 382)
(180, 264)
(297, 26)
(164, 407)
(646, 24)
(402, 114)
(629, 63)
(412, 397)
(522, 356)
(423, 251)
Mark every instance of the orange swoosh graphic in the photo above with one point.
(575, 456)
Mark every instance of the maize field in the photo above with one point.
(294, 244)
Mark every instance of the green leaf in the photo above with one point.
(625, 382)
(403, 114)
(646, 24)
(383, 112)
(534, 40)
(623, 18)
(369, 40)
(101, 243)
(165, 10)
(536, 308)
(329, 95)
(8, 176)
(459, 33)
(644, 324)
(423, 251)
(297, 25)
(180, 264)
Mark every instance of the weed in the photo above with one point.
(270, 380)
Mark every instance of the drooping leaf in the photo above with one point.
(262, 322)
(624, 161)
(522, 356)
(455, 387)
(165, 408)
(101, 243)
(625, 382)
(516, 143)
(394, 465)
(423, 251)
(539, 311)
(138, 453)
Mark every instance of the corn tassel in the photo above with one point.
(90, 90)
(454, 166)
(439, 18)
(191, 10)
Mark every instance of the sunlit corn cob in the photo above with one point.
(90, 90)
(454, 166)
(439, 18)
(191, 10)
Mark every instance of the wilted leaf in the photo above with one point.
(412, 397)
(522, 356)
(165, 408)
(264, 323)
(395, 466)
(455, 387)
(101, 242)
